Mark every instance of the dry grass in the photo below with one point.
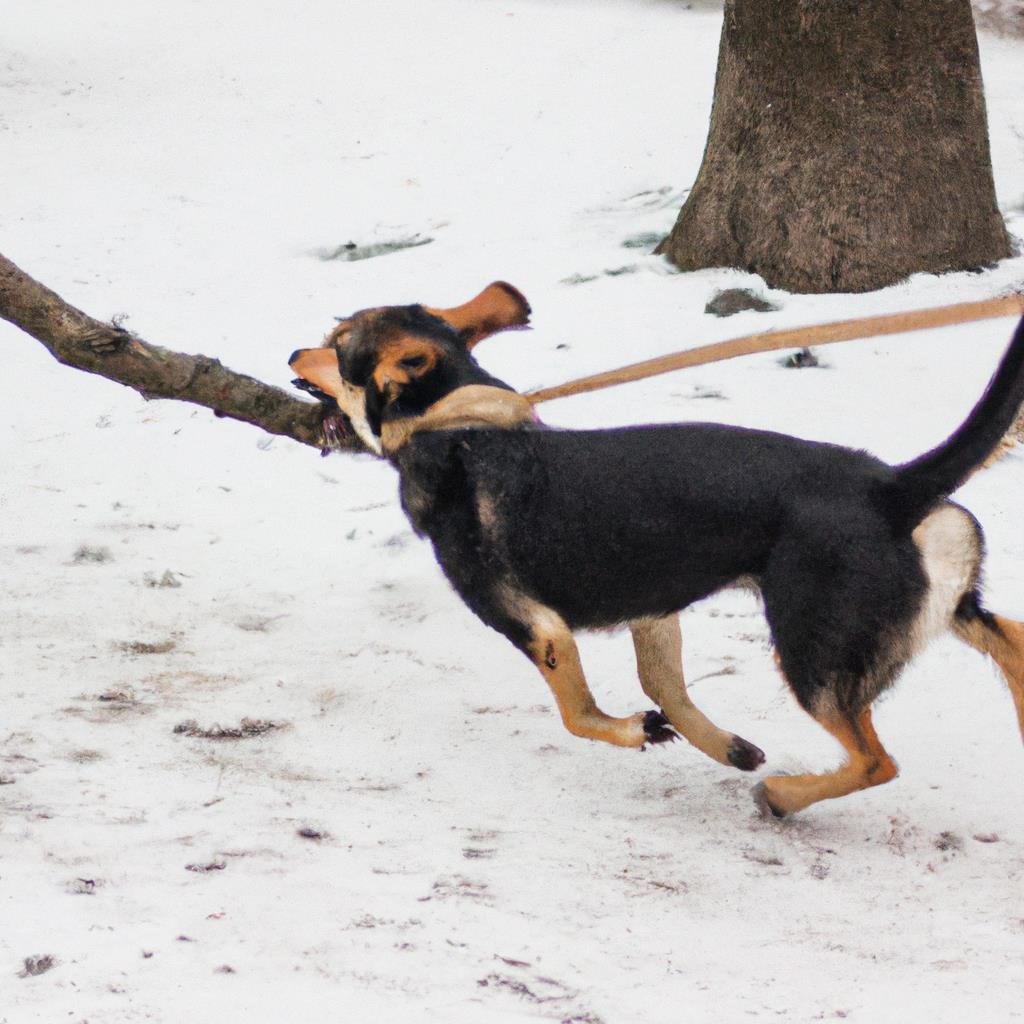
(246, 729)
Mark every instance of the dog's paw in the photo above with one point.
(744, 755)
(763, 803)
(657, 729)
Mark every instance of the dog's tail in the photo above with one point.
(921, 484)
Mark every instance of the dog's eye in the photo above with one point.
(413, 362)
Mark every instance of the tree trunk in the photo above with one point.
(848, 147)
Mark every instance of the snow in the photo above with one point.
(463, 859)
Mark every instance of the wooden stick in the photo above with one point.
(799, 337)
(77, 340)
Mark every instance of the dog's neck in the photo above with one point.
(474, 405)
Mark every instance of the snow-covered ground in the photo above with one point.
(408, 834)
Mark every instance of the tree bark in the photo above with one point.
(848, 147)
(77, 340)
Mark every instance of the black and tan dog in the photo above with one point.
(546, 531)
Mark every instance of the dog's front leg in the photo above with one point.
(659, 661)
(553, 650)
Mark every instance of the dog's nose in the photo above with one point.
(295, 355)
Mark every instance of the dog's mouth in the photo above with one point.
(335, 426)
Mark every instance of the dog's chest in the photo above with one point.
(435, 491)
(417, 502)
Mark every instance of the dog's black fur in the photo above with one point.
(613, 526)
(608, 526)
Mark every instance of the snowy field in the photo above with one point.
(404, 832)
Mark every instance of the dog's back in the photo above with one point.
(607, 526)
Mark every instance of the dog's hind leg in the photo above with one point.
(1003, 641)
(553, 650)
(658, 644)
(867, 764)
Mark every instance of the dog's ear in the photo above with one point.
(498, 307)
(319, 367)
(338, 335)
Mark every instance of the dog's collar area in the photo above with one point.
(474, 405)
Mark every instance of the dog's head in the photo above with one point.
(394, 362)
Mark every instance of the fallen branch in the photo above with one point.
(77, 340)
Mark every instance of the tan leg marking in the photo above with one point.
(658, 644)
(868, 764)
(1005, 647)
(1005, 446)
(554, 652)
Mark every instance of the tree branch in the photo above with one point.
(77, 340)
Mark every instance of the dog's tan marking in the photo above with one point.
(498, 307)
(868, 764)
(951, 555)
(319, 366)
(487, 515)
(553, 650)
(401, 360)
(1004, 644)
(658, 644)
(1001, 450)
(475, 405)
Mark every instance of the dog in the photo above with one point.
(543, 532)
